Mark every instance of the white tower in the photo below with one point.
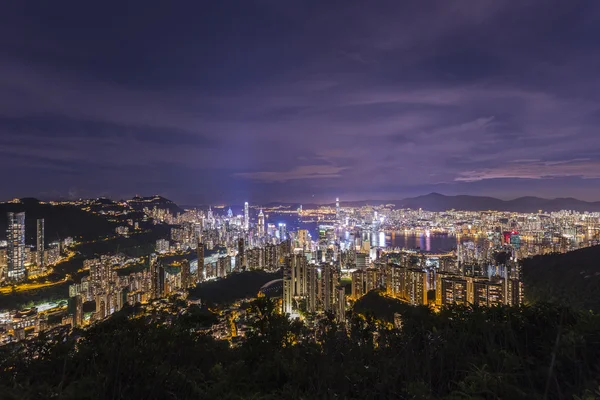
(246, 217)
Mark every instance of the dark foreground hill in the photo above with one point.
(572, 278)
(527, 353)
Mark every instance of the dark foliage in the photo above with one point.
(572, 278)
(537, 352)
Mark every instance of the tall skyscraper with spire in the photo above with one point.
(15, 236)
(261, 223)
(246, 217)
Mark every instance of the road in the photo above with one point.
(30, 286)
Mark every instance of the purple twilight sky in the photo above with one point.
(226, 101)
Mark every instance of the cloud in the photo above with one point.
(582, 168)
(296, 173)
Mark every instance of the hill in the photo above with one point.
(60, 221)
(572, 278)
(139, 203)
(458, 353)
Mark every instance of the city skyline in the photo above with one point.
(263, 101)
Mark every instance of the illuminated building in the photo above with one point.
(2, 264)
(241, 254)
(303, 238)
(15, 255)
(223, 266)
(162, 246)
(340, 309)
(395, 281)
(76, 307)
(484, 292)
(372, 279)
(261, 224)
(416, 290)
(40, 243)
(311, 287)
(201, 272)
(282, 231)
(287, 300)
(160, 280)
(337, 209)
(328, 283)
(246, 217)
(298, 265)
(186, 280)
(514, 292)
(359, 283)
(362, 260)
(453, 290)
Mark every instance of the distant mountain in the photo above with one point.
(440, 202)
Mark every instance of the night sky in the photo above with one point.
(226, 101)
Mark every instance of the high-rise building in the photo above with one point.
(416, 286)
(287, 300)
(162, 246)
(40, 244)
(246, 217)
(201, 272)
(261, 224)
(298, 265)
(340, 307)
(15, 237)
(359, 283)
(76, 309)
(328, 284)
(337, 209)
(312, 288)
(186, 279)
(160, 280)
(241, 254)
(282, 232)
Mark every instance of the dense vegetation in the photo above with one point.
(236, 286)
(536, 352)
(572, 278)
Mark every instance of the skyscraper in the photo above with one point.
(311, 287)
(201, 273)
(246, 217)
(15, 236)
(40, 242)
(282, 231)
(261, 224)
(337, 209)
(185, 275)
(340, 308)
(286, 302)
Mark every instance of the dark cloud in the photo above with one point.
(261, 100)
